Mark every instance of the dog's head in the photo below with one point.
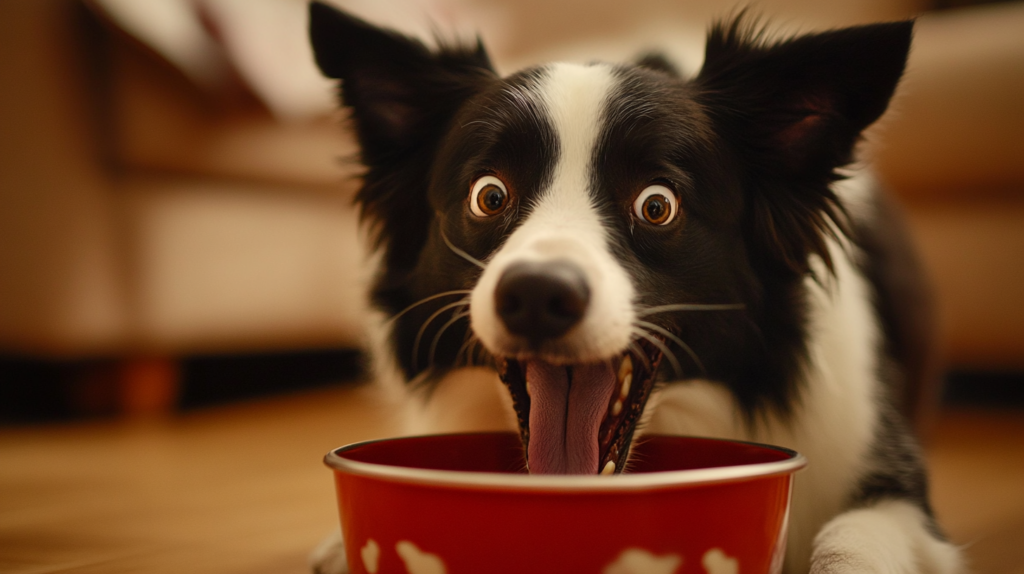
(592, 229)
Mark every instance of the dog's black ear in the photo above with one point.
(399, 91)
(402, 97)
(795, 109)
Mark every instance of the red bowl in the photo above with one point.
(464, 504)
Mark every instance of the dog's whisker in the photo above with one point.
(664, 350)
(437, 338)
(691, 307)
(423, 328)
(668, 334)
(480, 351)
(462, 253)
(421, 380)
(464, 350)
(463, 353)
(638, 352)
(427, 300)
(471, 348)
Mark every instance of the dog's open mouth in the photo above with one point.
(580, 419)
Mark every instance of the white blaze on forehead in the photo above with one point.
(562, 222)
(575, 98)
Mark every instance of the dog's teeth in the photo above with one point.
(528, 389)
(617, 408)
(626, 368)
(609, 467)
(624, 389)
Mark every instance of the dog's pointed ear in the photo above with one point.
(806, 99)
(402, 97)
(399, 91)
(794, 110)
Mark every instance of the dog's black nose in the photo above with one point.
(541, 300)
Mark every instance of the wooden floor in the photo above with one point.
(240, 489)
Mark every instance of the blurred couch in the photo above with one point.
(148, 213)
(142, 215)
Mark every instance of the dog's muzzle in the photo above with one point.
(575, 418)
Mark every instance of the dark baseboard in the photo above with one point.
(216, 379)
(36, 390)
(984, 388)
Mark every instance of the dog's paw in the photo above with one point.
(329, 556)
(888, 537)
(838, 562)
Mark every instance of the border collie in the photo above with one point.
(629, 250)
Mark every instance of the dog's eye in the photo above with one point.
(656, 204)
(488, 197)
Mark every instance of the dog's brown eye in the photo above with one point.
(656, 204)
(488, 197)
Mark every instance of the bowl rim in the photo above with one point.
(565, 483)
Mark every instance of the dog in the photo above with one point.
(627, 250)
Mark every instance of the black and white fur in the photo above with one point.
(800, 341)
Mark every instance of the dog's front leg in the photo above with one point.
(888, 536)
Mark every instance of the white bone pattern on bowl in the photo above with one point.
(630, 561)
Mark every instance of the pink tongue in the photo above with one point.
(565, 416)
